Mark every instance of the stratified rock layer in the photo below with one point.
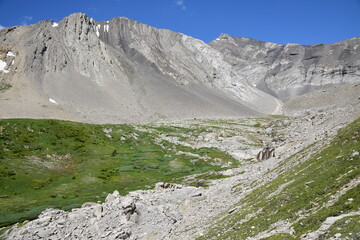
(289, 70)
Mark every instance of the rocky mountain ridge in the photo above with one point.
(289, 70)
(131, 68)
(121, 70)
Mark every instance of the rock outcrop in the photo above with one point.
(110, 220)
(265, 154)
(141, 214)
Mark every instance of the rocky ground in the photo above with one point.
(174, 211)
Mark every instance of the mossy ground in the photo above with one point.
(303, 196)
(52, 163)
(4, 86)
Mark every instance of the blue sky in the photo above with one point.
(280, 21)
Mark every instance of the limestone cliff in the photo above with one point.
(289, 70)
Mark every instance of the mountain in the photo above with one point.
(285, 71)
(125, 71)
(119, 70)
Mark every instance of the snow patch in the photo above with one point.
(284, 62)
(53, 101)
(3, 66)
(106, 28)
(13, 62)
(97, 30)
(10, 54)
(184, 38)
(55, 24)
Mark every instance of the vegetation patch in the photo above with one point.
(204, 180)
(4, 86)
(280, 236)
(61, 164)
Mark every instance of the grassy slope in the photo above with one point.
(304, 199)
(52, 163)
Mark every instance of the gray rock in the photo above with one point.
(289, 70)
(160, 186)
(265, 154)
(44, 233)
(124, 70)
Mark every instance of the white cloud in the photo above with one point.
(25, 20)
(1, 26)
(181, 4)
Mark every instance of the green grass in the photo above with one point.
(310, 186)
(211, 176)
(280, 236)
(221, 122)
(4, 86)
(52, 163)
(203, 180)
(278, 116)
(181, 133)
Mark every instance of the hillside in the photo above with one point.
(286, 71)
(51, 163)
(124, 71)
(118, 71)
(315, 199)
(289, 196)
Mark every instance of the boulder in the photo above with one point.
(265, 154)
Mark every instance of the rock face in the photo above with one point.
(289, 70)
(119, 70)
